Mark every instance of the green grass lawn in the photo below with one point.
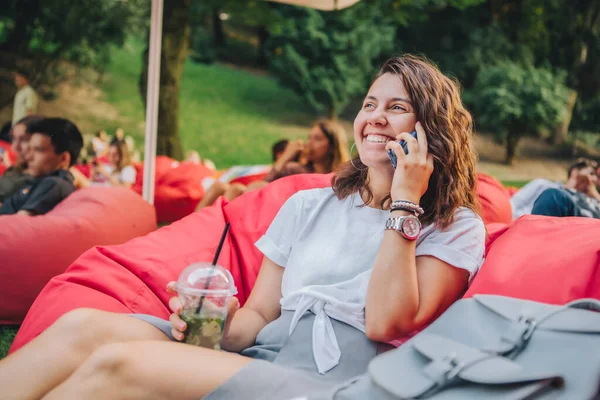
(228, 115)
(7, 335)
(517, 184)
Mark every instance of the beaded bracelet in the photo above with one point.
(409, 206)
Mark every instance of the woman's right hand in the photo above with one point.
(178, 326)
(292, 149)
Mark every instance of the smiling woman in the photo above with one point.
(346, 273)
(409, 89)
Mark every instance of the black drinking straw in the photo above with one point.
(214, 264)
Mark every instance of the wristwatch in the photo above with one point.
(408, 226)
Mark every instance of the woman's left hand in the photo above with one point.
(414, 169)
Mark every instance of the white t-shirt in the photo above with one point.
(522, 201)
(127, 175)
(25, 100)
(328, 247)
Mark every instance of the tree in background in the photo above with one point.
(328, 57)
(515, 101)
(553, 34)
(175, 46)
(39, 35)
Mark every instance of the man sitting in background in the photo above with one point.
(53, 148)
(578, 198)
(16, 176)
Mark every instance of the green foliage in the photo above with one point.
(328, 57)
(202, 49)
(514, 101)
(78, 31)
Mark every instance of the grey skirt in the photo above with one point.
(284, 367)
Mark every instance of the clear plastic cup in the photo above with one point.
(204, 291)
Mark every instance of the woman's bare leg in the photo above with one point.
(52, 357)
(234, 191)
(149, 371)
(257, 185)
(212, 194)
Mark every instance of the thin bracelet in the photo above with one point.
(407, 206)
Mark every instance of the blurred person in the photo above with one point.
(26, 99)
(193, 157)
(325, 149)
(53, 148)
(119, 134)
(17, 176)
(523, 200)
(100, 143)
(579, 196)
(118, 172)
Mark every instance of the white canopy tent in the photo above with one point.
(154, 81)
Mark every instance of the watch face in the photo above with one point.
(411, 227)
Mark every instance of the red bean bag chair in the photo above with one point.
(35, 249)
(178, 187)
(545, 259)
(494, 200)
(7, 151)
(131, 278)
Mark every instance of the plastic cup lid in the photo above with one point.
(204, 279)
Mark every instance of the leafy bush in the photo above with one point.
(514, 101)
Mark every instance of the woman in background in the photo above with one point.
(119, 171)
(325, 149)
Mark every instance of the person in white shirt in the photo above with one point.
(118, 172)
(348, 272)
(579, 190)
(26, 100)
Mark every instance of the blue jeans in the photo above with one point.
(556, 203)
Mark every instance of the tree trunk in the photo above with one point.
(175, 46)
(332, 113)
(218, 32)
(559, 136)
(512, 141)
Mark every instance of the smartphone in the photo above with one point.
(402, 143)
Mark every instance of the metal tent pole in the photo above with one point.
(152, 100)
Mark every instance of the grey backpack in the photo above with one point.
(491, 347)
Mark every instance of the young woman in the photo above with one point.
(119, 171)
(347, 270)
(325, 149)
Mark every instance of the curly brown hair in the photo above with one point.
(438, 107)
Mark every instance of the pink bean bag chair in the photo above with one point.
(33, 250)
(7, 153)
(178, 187)
(494, 200)
(546, 259)
(131, 278)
